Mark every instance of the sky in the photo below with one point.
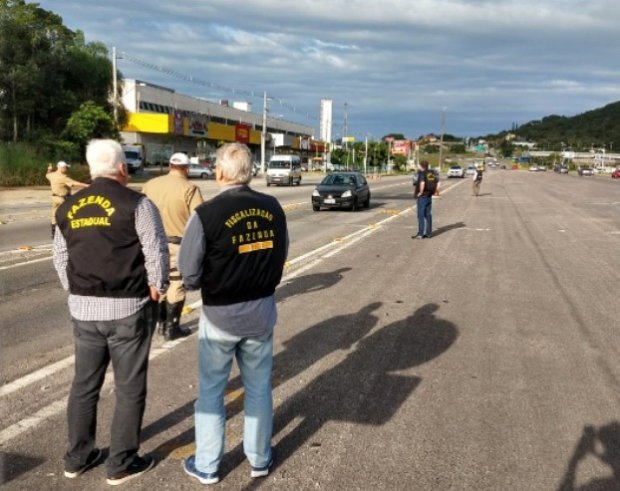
(465, 67)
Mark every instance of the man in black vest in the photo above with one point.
(426, 185)
(111, 254)
(233, 250)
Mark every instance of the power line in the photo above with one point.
(223, 88)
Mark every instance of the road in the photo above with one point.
(485, 358)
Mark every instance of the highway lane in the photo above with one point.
(473, 360)
(35, 328)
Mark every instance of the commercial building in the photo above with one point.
(164, 121)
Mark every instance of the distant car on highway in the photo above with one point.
(560, 169)
(542, 168)
(200, 171)
(533, 168)
(615, 174)
(585, 171)
(471, 170)
(456, 171)
(347, 190)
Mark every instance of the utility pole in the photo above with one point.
(345, 129)
(263, 136)
(443, 122)
(114, 87)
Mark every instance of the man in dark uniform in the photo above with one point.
(234, 250)
(426, 185)
(110, 253)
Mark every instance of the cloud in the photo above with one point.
(395, 63)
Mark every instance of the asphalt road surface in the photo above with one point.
(485, 358)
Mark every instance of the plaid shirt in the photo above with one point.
(155, 249)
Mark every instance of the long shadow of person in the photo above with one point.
(447, 228)
(301, 351)
(309, 283)
(363, 388)
(607, 438)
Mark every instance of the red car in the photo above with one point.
(616, 174)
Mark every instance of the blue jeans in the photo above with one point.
(126, 343)
(254, 356)
(425, 215)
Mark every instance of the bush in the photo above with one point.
(23, 165)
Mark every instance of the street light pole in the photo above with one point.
(114, 87)
(443, 121)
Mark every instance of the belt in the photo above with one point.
(174, 240)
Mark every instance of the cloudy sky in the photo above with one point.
(396, 65)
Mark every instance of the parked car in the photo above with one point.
(533, 168)
(560, 169)
(255, 168)
(201, 171)
(585, 171)
(456, 171)
(615, 174)
(342, 190)
(542, 168)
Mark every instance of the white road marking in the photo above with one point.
(57, 407)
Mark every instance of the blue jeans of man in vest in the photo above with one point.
(425, 216)
(254, 355)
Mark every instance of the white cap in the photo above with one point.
(179, 158)
(62, 163)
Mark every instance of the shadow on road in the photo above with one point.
(447, 228)
(309, 283)
(300, 352)
(602, 443)
(14, 465)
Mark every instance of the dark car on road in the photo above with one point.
(347, 190)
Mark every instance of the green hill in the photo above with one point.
(599, 128)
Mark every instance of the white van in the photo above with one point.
(284, 169)
(134, 157)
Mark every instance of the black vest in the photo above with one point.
(430, 182)
(245, 236)
(105, 254)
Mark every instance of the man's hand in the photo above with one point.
(154, 293)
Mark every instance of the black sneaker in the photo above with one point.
(138, 467)
(262, 471)
(189, 466)
(93, 459)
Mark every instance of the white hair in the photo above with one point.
(235, 162)
(103, 157)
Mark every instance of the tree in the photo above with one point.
(46, 72)
(89, 121)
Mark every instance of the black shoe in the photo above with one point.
(426, 236)
(94, 458)
(138, 467)
(173, 333)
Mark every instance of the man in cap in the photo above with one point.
(176, 198)
(61, 185)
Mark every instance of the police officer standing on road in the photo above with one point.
(61, 185)
(110, 254)
(477, 179)
(426, 185)
(176, 198)
(234, 250)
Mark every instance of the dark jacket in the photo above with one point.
(105, 254)
(245, 235)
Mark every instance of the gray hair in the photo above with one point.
(103, 157)
(235, 162)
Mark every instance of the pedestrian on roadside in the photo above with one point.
(61, 185)
(110, 253)
(234, 250)
(176, 198)
(426, 185)
(477, 180)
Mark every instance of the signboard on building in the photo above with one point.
(242, 133)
